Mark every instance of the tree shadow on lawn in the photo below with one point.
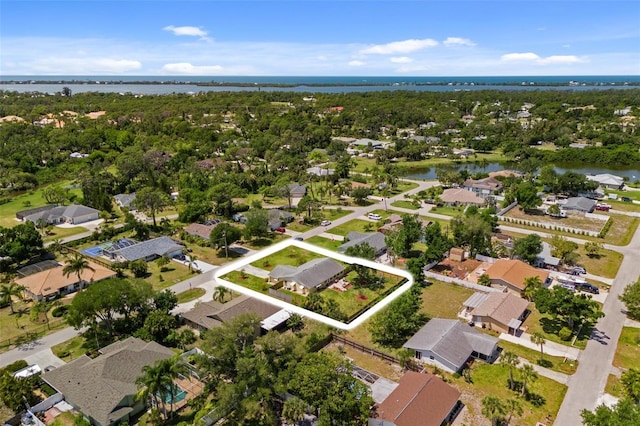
(553, 326)
(261, 242)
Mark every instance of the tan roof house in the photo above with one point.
(419, 399)
(460, 196)
(501, 312)
(511, 274)
(53, 283)
(104, 388)
(199, 230)
(483, 187)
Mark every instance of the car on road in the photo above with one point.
(603, 207)
(627, 199)
(325, 223)
(298, 238)
(374, 216)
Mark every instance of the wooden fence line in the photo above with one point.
(374, 352)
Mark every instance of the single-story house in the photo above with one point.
(73, 214)
(501, 312)
(311, 276)
(607, 180)
(483, 187)
(320, 171)
(212, 314)
(278, 218)
(545, 259)
(147, 250)
(580, 204)
(391, 223)
(104, 388)
(199, 230)
(125, 201)
(52, 283)
(374, 239)
(295, 190)
(366, 142)
(511, 273)
(449, 344)
(419, 399)
(460, 196)
(28, 212)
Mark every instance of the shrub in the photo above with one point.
(16, 365)
(59, 311)
(565, 334)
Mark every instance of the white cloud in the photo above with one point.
(536, 59)
(187, 68)
(458, 41)
(406, 46)
(401, 60)
(187, 31)
(356, 63)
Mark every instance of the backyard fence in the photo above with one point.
(374, 352)
(551, 226)
(31, 335)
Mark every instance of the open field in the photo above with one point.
(327, 243)
(448, 210)
(628, 349)
(444, 300)
(405, 205)
(356, 225)
(573, 220)
(29, 200)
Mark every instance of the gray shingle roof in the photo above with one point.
(97, 386)
(125, 200)
(452, 340)
(213, 314)
(309, 275)
(156, 247)
(579, 203)
(374, 239)
(54, 214)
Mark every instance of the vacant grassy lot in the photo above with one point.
(574, 220)
(405, 205)
(375, 365)
(628, 349)
(247, 280)
(175, 273)
(606, 265)
(444, 300)
(448, 210)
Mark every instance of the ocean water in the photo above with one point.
(191, 84)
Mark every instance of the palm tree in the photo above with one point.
(528, 375)
(537, 338)
(511, 360)
(294, 410)
(513, 407)
(9, 291)
(219, 293)
(158, 381)
(76, 265)
(493, 409)
(154, 383)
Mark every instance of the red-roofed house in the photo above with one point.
(420, 399)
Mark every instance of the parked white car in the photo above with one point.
(374, 216)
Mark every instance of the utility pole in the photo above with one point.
(226, 252)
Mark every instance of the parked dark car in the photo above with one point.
(590, 288)
(298, 238)
(626, 199)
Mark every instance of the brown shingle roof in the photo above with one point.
(419, 399)
(212, 314)
(199, 230)
(514, 272)
(459, 195)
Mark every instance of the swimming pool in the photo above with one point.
(178, 395)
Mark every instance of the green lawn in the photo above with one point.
(606, 265)
(492, 380)
(174, 274)
(191, 294)
(29, 200)
(72, 348)
(628, 349)
(545, 324)
(448, 211)
(444, 300)
(326, 243)
(356, 225)
(613, 386)
(250, 281)
(19, 328)
(555, 363)
(405, 205)
(292, 256)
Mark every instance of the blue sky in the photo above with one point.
(320, 38)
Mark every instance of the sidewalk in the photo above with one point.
(545, 372)
(550, 348)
